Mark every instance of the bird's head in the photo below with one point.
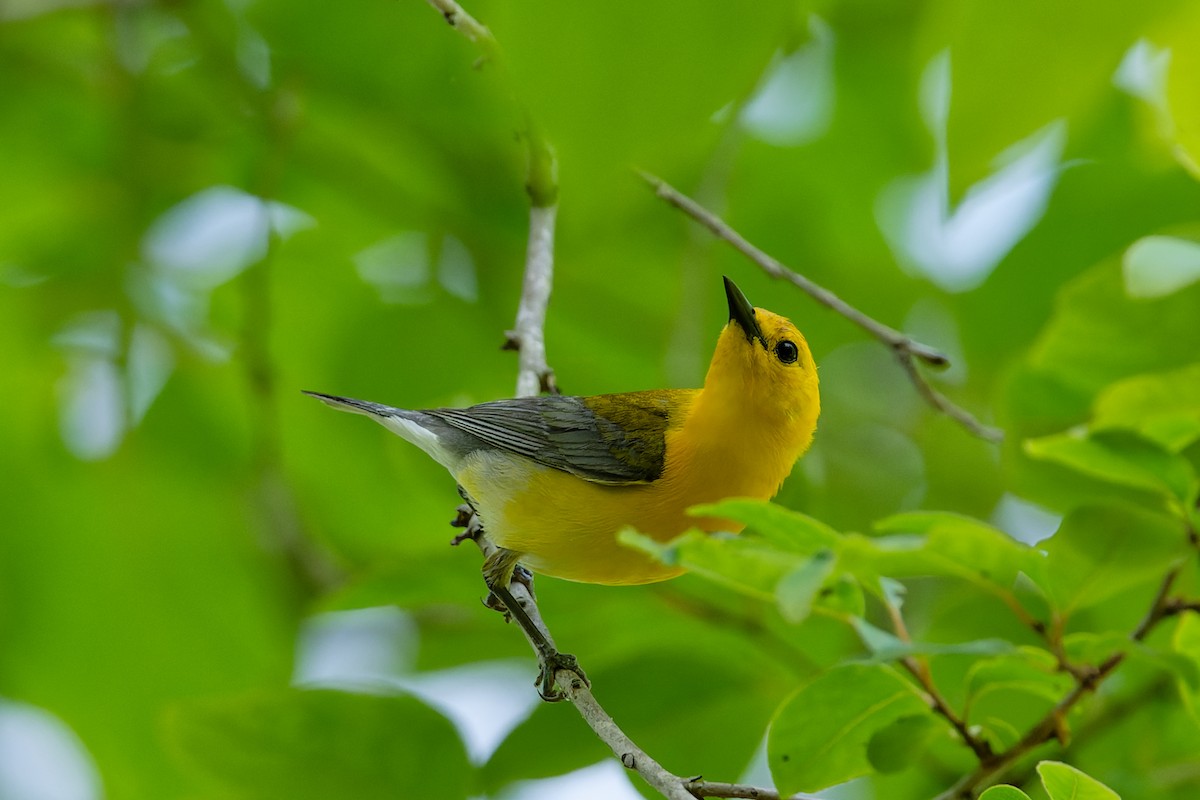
(762, 365)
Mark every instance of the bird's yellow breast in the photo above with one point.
(567, 526)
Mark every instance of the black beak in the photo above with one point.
(741, 312)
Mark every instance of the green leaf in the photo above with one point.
(843, 597)
(321, 744)
(1099, 551)
(1186, 642)
(747, 564)
(1030, 671)
(885, 646)
(782, 527)
(1164, 407)
(1125, 460)
(941, 544)
(797, 589)
(1064, 782)
(820, 735)
(1099, 336)
(897, 746)
(1004, 792)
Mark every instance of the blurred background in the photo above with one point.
(208, 206)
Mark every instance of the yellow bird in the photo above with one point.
(554, 478)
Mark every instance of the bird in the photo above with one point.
(553, 478)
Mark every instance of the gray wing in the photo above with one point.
(601, 439)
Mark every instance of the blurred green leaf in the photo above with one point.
(1099, 551)
(1159, 265)
(898, 745)
(885, 646)
(745, 564)
(853, 702)
(942, 544)
(1182, 103)
(1163, 407)
(797, 589)
(1186, 642)
(1063, 69)
(321, 744)
(1098, 336)
(1122, 459)
(1031, 671)
(1064, 782)
(782, 527)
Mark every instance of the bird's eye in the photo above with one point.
(787, 352)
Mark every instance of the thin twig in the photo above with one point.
(528, 335)
(919, 668)
(907, 350)
(702, 788)
(1053, 724)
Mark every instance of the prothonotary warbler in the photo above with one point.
(554, 478)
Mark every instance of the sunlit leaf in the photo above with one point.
(1064, 782)
(1163, 407)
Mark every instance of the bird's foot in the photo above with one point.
(551, 664)
(523, 576)
(469, 521)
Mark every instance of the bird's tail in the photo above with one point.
(358, 406)
(443, 443)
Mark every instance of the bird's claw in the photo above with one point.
(469, 521)
(551, 665)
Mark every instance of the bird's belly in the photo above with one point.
(566, 527)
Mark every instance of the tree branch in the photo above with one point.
(702, 788)
(528, 334)
(534, 375)
(907, 350)
(1052, 725)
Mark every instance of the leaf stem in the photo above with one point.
(918, 667)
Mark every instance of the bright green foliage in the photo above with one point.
(822, 733)
(1061, 781)
(1064, 782)
(209, 206)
